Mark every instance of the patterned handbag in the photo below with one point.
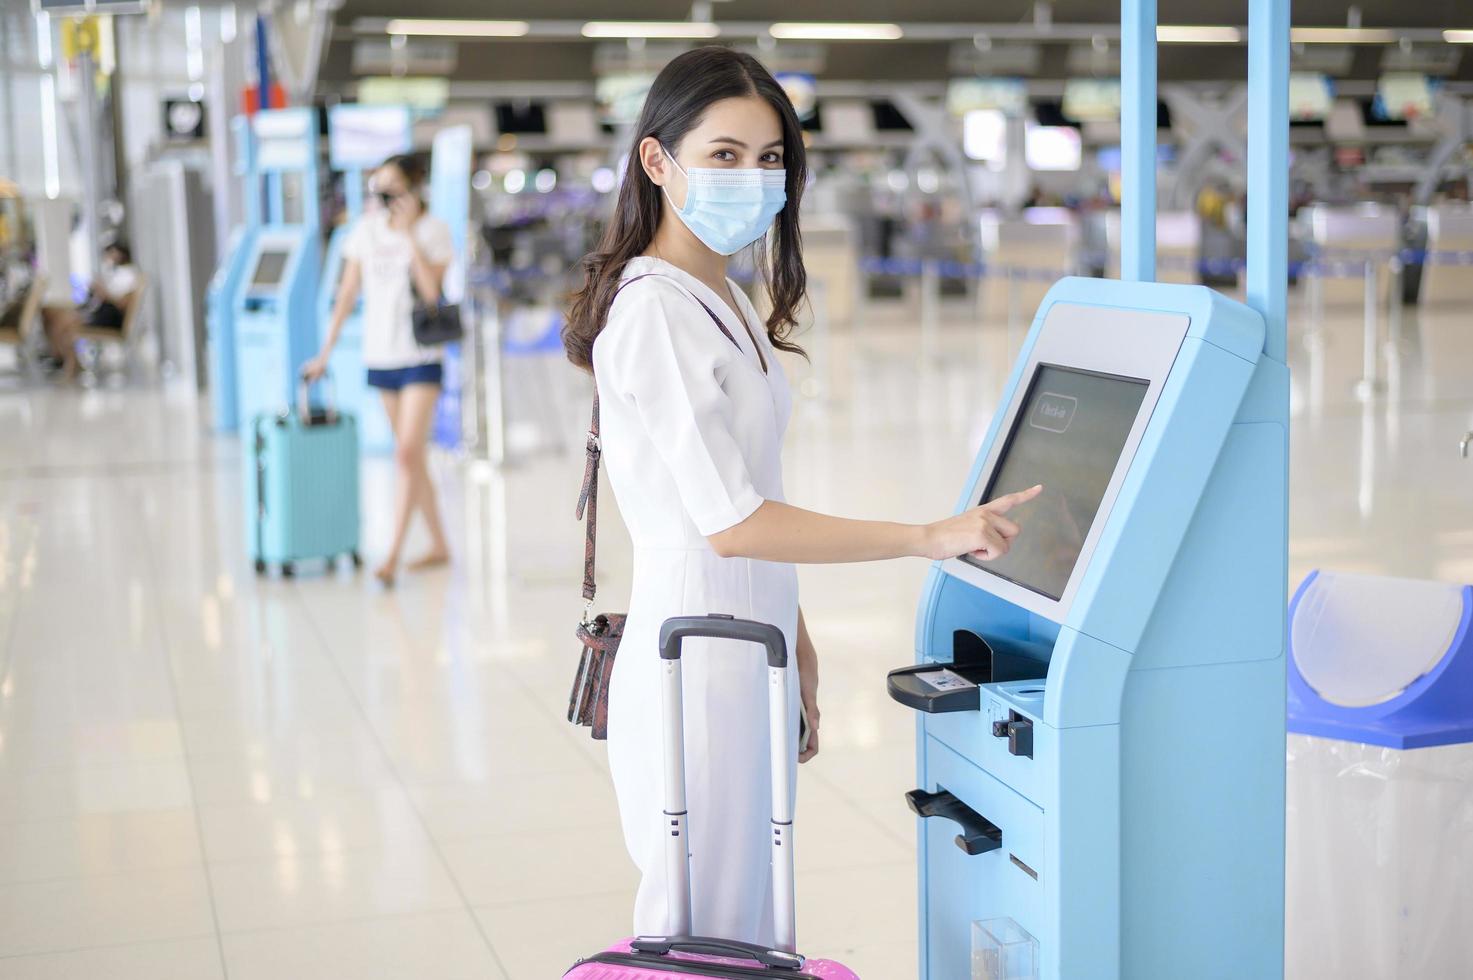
(588, 703)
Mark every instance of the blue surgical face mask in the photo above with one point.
(729, 209)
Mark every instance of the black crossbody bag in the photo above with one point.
(434, 323)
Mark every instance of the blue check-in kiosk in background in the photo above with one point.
(359, 138)
(1101, 711)
(224, 284)
(275, 306)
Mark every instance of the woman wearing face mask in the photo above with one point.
(694, 405)
(396, 254)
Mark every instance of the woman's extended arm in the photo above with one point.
(341, 307)
(781, 532)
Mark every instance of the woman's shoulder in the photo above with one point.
(650, 307)
(428, 226)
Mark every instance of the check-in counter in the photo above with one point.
(1350, 236)
(1447, 277)
(1178, 246)
(831, 256)
(1023, 258)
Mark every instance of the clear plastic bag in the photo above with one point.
(1379, 862)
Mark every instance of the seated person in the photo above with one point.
(15, 285)
(107, 301)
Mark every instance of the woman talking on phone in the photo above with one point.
(694, 407)
(397, 255)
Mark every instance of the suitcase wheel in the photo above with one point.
(287, 570)
(357, 560)
(260, 567)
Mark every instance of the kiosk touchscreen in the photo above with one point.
(1101, 734)
(269, 268)
(1067, 438)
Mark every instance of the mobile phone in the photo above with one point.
(805, 733)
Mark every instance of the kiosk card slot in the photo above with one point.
(979, 835)
(937, 688)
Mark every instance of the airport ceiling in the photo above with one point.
(553, 59)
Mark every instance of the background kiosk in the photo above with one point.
(225, 283)
(275, 300)
(1101, 744)
(359, 138)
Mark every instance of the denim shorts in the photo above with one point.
(393, 379)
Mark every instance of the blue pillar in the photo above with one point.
(1268, 169)
(263, 63)
(1138, 140)
(353, 193)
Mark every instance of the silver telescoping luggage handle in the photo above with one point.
(304, 407)
(677, 851)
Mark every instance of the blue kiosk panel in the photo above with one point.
(273, 317)
(1102, 709)
(275, 313)
(225, 283)
(1125, 748)
(220, 326)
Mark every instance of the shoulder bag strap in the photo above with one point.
(588, 496)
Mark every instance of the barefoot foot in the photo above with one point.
(433, 559)
(385, 574)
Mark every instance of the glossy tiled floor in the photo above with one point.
(206, 775)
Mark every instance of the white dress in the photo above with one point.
(692, 436)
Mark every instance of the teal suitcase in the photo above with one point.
(301, 487)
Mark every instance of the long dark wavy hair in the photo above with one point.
(677, 100)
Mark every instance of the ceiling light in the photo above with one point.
(1458, 37)
(650, 29)
(1194, 34)
(1342, 35)
(836, 32)
(458, 28)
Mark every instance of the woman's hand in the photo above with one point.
(315, 368)
(982, 531)
(808, 692)
(404, 210)
(807, 658)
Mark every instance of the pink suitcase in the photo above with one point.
(681, 954)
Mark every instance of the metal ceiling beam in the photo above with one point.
(748, 30)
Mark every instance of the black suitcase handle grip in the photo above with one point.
(661, 945)
(722, 626)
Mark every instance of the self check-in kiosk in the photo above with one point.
(221, 292)
(1101, 711)
(275, 312)
(359, 138)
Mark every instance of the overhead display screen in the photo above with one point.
(269, 269)
(1068, 436)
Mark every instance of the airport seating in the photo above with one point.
(20, 333)
(95, 340)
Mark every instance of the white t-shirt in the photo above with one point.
(119, 280)
(383, 255)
